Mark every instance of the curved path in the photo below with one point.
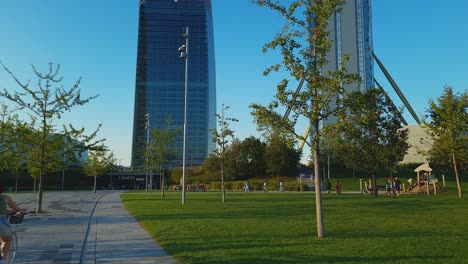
(69, 232)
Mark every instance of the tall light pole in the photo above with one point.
(147, 125)
(184, 53)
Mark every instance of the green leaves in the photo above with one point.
(45, 105)
(448, 127)
(447, 121)
(159, 150)
(304, 46)
(368, 134)
(48, 148)
(99, 163)
(221, 137)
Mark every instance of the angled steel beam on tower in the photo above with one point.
(391, 102)
(288, 111)
(298, 89)
(397, 89)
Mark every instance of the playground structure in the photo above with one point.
(425, 182)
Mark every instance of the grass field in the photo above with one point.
(278, 227)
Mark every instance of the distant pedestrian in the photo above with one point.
(246, 186)
(281, 186)
(337, 187)
(264, 186)
(388, 187)
(328, 185)
(410, 182)
(396, 186)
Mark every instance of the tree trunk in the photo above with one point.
(95, 182)
(318, 192)
(318, 197)
(162, 184)
(151, 179)
(222, 189)
(39, 194)
(223, 199)
(374, 182)
(41, 177)
(457, 177)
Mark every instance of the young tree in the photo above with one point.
(98, 163)
(304, 45)
(12, 152)
(159, 149)
(221, 139)
(45, 105)
(447, 123)
(369, 134)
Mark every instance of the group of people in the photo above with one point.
(337, 186)
(5, 228)
(265, 186)
(393, 187)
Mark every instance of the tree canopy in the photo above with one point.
(447, 122)
(98, 164)
(369, 134)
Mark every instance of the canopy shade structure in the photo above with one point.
(423, 167)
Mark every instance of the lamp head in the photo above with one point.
(182, 50)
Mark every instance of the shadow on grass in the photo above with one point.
(317, 259)
(398, 235)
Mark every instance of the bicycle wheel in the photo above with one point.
(12, 252)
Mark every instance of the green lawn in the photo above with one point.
(277, 227)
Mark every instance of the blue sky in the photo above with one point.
(423, 44)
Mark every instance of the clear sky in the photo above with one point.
(422, 43)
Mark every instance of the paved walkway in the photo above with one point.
(58, 235)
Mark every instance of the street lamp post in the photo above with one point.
(184, 53)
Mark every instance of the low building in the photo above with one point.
(419, 141)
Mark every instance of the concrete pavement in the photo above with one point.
(67, 232)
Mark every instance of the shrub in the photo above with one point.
(296, 187)
(238, 185)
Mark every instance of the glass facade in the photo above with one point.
(160, 77)
(364, 37)
(351, 33)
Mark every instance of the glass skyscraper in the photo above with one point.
(160, 77)
(351, 33)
